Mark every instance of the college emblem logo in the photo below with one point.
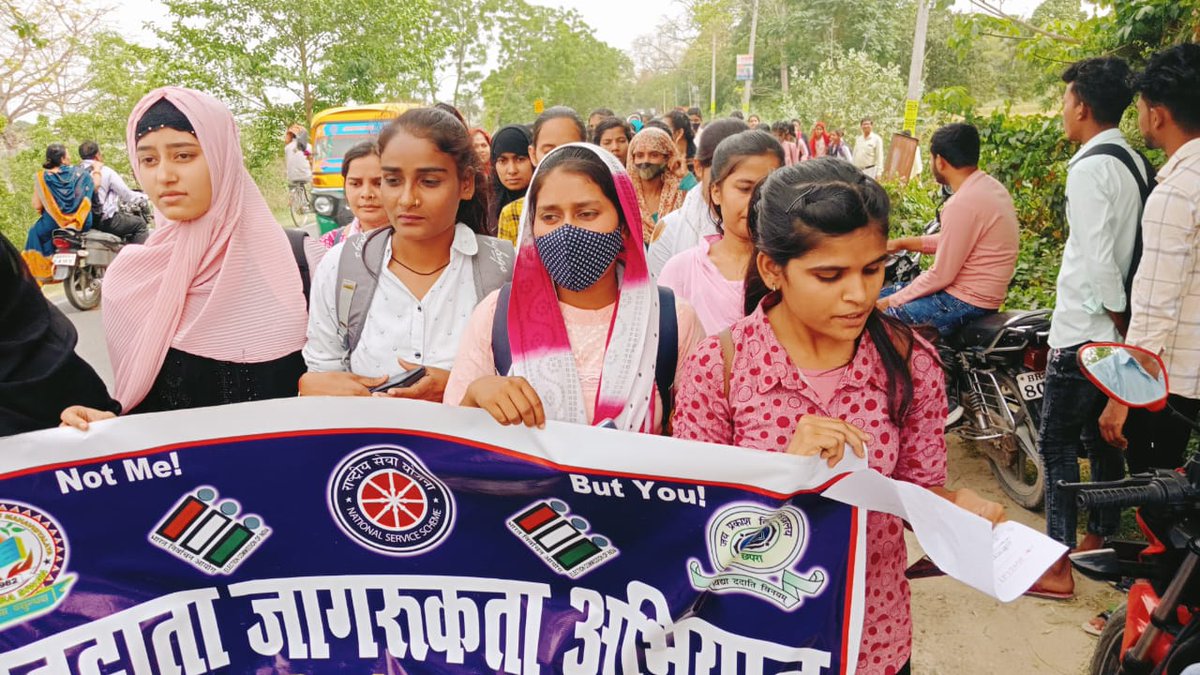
(33, 562)
(385, 499)
(208, 533)
(560, 539)
(763, 543)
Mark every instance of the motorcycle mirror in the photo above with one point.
(1129, 375)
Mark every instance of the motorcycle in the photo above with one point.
(1156, 631)
(996, 370)
(79, 261)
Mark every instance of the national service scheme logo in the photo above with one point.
(33, 562)
(385, 499)
(763, 543)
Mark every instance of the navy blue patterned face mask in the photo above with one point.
(576, 258)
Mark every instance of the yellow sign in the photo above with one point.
(538, 106)
(910, 116)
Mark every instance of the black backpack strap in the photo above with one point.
(501, 348)
(296, 237)
(668, 353)
(1120, 153)
(1145, 187)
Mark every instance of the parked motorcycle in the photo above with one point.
(79, 261)
(996, 370)
(1156, 631)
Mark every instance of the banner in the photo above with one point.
(745, 67)
(383, 536)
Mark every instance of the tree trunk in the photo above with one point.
(783, 74)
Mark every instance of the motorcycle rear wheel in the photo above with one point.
(82, 289)
(1106, 659)
(1023, 479)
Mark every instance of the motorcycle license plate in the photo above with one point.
(1032, 385)
(67, 259)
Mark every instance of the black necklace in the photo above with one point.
(422, 274)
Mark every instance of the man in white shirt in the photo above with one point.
(295, 155)
(1166, 291)
(868, 150)
(111, 193)
(1103, 206)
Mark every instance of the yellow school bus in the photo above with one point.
(334, 131)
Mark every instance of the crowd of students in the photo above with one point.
(651, 281)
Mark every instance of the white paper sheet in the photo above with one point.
(1002, 562)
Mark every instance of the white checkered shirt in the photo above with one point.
(1166, 290)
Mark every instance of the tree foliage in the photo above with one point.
(551, 55)
(330, 52)
(833, 91)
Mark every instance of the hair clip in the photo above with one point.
(800, 197)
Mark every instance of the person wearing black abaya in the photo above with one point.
(40, 373)
(511, 169)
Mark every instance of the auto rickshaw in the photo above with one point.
(334, 131)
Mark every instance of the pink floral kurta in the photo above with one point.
(767, 398)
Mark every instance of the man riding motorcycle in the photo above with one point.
(123, 212)
(976, 249)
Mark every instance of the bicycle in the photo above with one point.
(299, 203)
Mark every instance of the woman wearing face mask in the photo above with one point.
(614, 135)
(414, 284)
(654, 169)
(578, 328)
(210, 310)
(683, 228)
(712, 276)
(362, 177)
(554, 127)
(816, 367)
(512, 169)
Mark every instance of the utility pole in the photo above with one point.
(712, 97)
(915, 70)
(750, 83)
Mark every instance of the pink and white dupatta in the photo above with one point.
(541, 350)
(224, 286)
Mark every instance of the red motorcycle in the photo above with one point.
(1155, 632)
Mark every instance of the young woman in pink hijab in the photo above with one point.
(211, 309)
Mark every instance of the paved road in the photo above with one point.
(91, 333)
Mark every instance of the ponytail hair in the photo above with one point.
(451, 137)
(797, 207)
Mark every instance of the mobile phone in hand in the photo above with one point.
(406, 379)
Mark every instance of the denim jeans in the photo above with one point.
(1071, 411)
(939, 310)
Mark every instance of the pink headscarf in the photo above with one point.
(541, 350)
(224, 286)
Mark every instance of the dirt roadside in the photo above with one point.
(959, 630)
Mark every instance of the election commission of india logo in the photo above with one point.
(753, 551)
(385, 499)
(33, 561)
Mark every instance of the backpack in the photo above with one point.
(665, 364)
(1145, 187)
(492, 268)
(296, 237)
